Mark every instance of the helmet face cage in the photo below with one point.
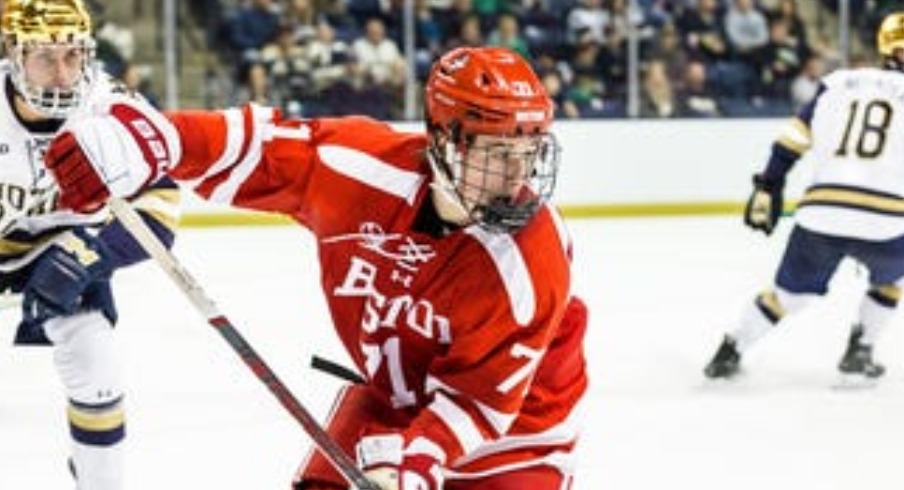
(34, 28)
(502, 184)
(488, 117)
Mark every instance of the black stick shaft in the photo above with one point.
(192, 289)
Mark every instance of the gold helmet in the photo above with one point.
(27, 25)
(891, 35)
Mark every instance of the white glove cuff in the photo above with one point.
(111, 150)
(378, 450)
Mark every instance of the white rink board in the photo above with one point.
(660, 291)
(651, 162)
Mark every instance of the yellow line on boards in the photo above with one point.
(574, 211)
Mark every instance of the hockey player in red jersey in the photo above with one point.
(445, 268)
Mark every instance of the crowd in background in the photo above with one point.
(698, 58)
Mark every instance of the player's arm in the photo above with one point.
(247, 157)
(765, 204)
(158, 207)
(244, 156)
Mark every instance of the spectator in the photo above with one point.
(781, 61)
(703, 32)
(564, 108)
(657, 98)
(364, 10)
(344, 27)
(121, 37)
(209, 15)
(470, 33)
(136, 80)
(380, 70)
(613, 62)
(331, 67)
(747, 31)
(786, 10)
(428, 38)
(451, 20)
(300, 18)
(380, 63)
(622, 19)
(287, 67)
(507, 34)
(542, 29)
(217, 90)
(115, 46)
(587, 94)
(695, 99)
(587, 57)
(250, 28)
(667, 48)
(257, 87)
(588, 20)
(662, 12)
(545, 61)
(806, 83)
(488, 10)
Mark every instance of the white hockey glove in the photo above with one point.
(393, 467)
(116, 149)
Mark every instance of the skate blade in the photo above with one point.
(854, 382)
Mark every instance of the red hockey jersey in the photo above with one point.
(462, 330)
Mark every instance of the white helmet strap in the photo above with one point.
(448, 202)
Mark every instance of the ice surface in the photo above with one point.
(661, 293)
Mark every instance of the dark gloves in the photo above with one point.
(764, 207)
(71, 275)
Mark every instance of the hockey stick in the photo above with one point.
(202, 302)
(336, 369)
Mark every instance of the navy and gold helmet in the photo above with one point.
(889, 39)
(28, 26)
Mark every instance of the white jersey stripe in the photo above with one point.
(512, 270)
(226, 191)
(500, 421)
(370, 171)
(458, 421)
(235, 136)
(565, 432)
(563, 461)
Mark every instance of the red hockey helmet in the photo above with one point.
(487, 90)
(493, 157)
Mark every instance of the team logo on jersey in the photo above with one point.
(401, 249)
(388, 310)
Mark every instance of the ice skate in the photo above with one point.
(726, 362)
(858, 358)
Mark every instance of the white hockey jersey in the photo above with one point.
(29, 216)
(856, 140)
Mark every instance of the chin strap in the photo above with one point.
(445, 196)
